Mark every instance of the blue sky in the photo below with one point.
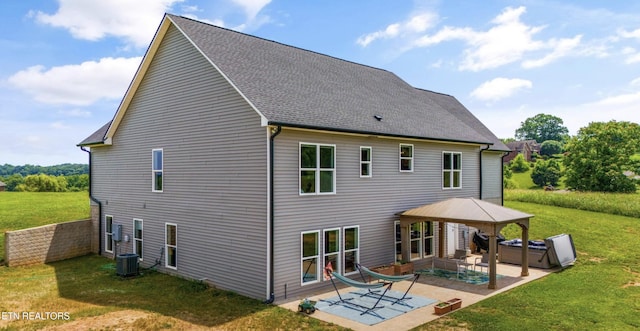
(66, 64)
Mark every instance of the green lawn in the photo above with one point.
(601, 291)
(21, 210)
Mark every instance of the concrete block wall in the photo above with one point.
(48, 243)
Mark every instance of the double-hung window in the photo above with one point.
(451, 170)
(422, 240)
(351, 249)
(171, 246)
(317, 169)
(406, 157)
(332, 249)
(157, 170)
(365, 162)
(108, 233)
(310, 243)
(137, 237)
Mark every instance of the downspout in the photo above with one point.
(480, 166)
(502, 178)
(274, 134)
(97, 202)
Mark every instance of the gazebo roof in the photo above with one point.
(468, 211)
(486, 216)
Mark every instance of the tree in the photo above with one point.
(542, 127)
(519, 164)
(546, 173)
(43, 183)
(13, 181)
(507, 181)
(550, 147)
(599, 154)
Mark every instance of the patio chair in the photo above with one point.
(481, 262)
(388, 278)
(357, 284)
(460, 257)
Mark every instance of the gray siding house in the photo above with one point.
(251, 164)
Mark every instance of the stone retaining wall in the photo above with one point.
(48, 243)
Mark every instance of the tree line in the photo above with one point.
(601, 157)
(33, 178)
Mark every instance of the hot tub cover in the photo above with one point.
(561, 250)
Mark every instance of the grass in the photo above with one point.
(87, 288)
(21, 210)
(600, 292)
(610, 203)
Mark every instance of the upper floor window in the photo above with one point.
(157, 170)
(406, 157)
(451, 170)
(317, 168)
(365, 162)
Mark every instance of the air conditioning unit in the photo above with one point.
(127, 265)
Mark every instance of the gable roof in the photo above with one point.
(293, 87)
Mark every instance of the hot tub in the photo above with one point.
(510, 251)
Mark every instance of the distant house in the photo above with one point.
(252, 164)
(3, 186)
(525, 147)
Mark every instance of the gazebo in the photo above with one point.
(485, 216)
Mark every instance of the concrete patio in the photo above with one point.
(438, 288)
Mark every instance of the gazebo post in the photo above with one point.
(525, 250)
(492, 259)
(441, 226)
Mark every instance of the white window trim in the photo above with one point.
(369, 163)
(317, 169)
(451, 171)
(345, 250)
(153, 170)
(338, 253)
(395, 241)
(108, 236)
(166, 247)
(400, 157)
(319, 274)
(135, 239)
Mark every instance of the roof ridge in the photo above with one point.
(286, 45)
(435, 92)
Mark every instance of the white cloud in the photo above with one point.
(251, 7)
(509, 40)
(134, 21)
(81, 84)
(629, 34)
(560, 48)
(417, 23)
(500, 88)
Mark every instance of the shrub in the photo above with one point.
(519, 164)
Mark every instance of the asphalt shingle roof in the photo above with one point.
(291, 86)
